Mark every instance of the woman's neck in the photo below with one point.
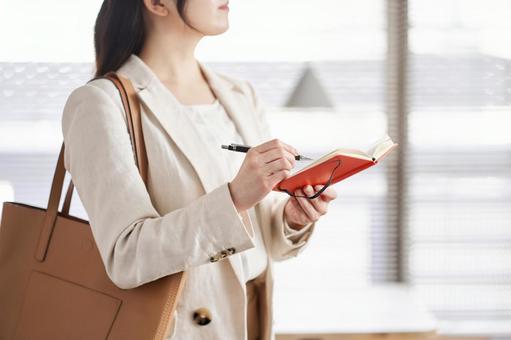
(171, 56)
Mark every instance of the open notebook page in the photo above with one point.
(374, 150)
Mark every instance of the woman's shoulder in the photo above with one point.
(98, 100)
(96, 93)
(99, 90)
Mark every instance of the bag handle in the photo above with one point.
(131, 106)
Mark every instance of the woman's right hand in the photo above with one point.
(264, 166)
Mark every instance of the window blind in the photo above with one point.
(458, 167)
(32, 96)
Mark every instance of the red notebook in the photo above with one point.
(343, 162)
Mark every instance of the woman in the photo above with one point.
(205, 210)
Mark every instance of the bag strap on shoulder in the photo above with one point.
(133, 117)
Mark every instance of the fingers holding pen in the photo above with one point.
(275, 156)
(278, 153)
(275, 144)
(264, 166)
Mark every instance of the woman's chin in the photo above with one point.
(218, 30)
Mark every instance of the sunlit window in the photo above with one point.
(459, 254)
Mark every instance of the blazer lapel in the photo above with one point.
(180, 128)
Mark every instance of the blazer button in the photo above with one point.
(231, 251)
(223, 254)
(202, 316)
(214, 258)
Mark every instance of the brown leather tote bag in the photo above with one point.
(53, 283)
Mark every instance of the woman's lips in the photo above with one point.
(224, 7)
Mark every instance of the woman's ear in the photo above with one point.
(159, 7)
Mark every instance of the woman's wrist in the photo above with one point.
(234, 198)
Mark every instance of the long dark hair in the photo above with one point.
(119, 32)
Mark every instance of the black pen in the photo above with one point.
(245, 148)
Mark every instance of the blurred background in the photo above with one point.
(419, 244)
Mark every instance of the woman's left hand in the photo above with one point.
(300, 211)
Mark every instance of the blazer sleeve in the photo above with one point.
(286, 242)
(136, 244)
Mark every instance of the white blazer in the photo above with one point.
(186, 215)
